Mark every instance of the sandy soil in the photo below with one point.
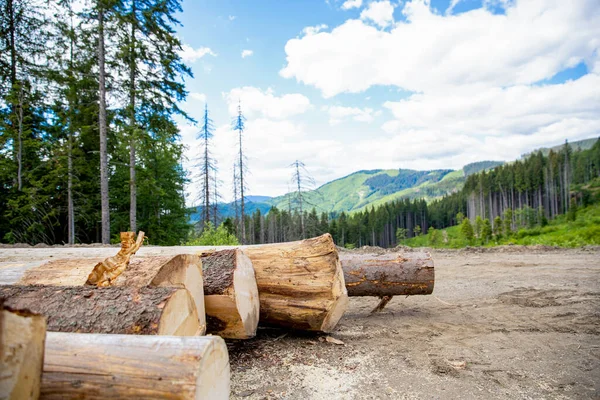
(509, 323)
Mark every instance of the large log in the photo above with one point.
(91, 366)
(22, 336)
(130, 310)
(230, 294)
(182, 269)
(388, 274)
(300, 284)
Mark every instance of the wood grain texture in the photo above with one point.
(93, 366)
(22, 337)
(126, 310)
(182, 270)
(231, 294)
(388, 274)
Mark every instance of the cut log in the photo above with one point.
(94, 366)
(230, 294)
(180, 270)
(388, 274)
(22, 336)
(144, 311)
(300, 284)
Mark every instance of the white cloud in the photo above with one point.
(198, 96)
(380, 12)
(247, 53)
(312, 30)
(232, 17)
(189, 54)
(337, 114)
(532, 42)
(258, 103)
(349, 4)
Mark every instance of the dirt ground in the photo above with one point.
(508, 323)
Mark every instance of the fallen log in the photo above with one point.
(22, 336)
(123, 310)
(300, 284)
(388, 274)
(230, 294)
(141, 367)
(181, 270)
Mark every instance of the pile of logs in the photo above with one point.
(123, 327)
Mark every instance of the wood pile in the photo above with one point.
(125, 327)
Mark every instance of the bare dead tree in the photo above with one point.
(207, 166)
(239, 126)
(303, 182)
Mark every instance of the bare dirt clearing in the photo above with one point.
(518, 323)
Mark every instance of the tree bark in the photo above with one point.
(123, 310)
(102, 130)
(22, 336)
(180, 270)
(231, 294)
(95, 366)
(300, 284)
(388, 274)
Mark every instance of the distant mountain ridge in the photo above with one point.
(367, 188)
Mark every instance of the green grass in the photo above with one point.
(585, 230)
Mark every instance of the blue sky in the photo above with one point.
(350, 85)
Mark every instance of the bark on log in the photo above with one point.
(22, 336)
(388, 274)
(144, 311)
(230, 294)
(181, 270)
(300, 284)
(95, 366)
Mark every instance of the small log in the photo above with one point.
(388, 274)
(22, 337)
(230, 294)
(95, 366)
(300, 284)
(180, 270)
(123, 310)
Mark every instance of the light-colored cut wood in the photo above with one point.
(22, 336)
(231, 294)
(92, 366)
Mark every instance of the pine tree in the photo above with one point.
(207, 167)
(466, 230)
(239, 126)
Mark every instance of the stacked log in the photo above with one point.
(123, 310)
(22, 337)
(300, 284)
(230, 294)
(138, 367)
(184, 270)
(388, 274)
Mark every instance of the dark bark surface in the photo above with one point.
(123, 310)
(217, 270)
(389, 274)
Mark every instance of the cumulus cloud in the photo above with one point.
(189, 54)
(311, 30)
(380, 12)
(532, 42)
(349, 4)
(338, 114)
(247, 53)
(258, 103)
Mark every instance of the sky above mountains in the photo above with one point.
(358, 84)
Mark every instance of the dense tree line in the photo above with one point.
(88, 98)
(523, 193)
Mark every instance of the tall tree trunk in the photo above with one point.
(242, 220)
(20, 139)
(102, 130)
(132, 125)
(70, 208)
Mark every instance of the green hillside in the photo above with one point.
(364, 189)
